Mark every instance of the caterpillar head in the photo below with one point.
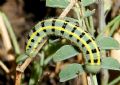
(92, 68)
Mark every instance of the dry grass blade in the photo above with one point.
(4, 67)
(5, 36)
(6, 40)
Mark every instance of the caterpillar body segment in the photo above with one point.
(67, 29)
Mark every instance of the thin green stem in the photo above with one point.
(101, 15)
(46, 61)
(41, 55)
(108, 26)
(114, 27)
(91, 25)
(87, 23)
(77, 10)
(83, 18)
(95, 80)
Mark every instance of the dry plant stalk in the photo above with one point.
(2, 53)
(4, 67)
(58, 65)
(67, 9)
(5, 36)
(21, 68)
(6, 40)
(7, 45)
(84, 75)
(85, 79)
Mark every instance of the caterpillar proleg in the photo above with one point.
(67, 28)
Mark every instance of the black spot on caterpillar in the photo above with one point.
(28, 37)
(53, 30)
(70, 35)
(53, 23)
(37, 34)
(64, 25)
(62, 32)
(74, 29)
(78, 40)
(44, 30)
(83, 45)
(88, 41)
(95, 60)
(32, 40)
(42, 24)
(81, 35)
(29, 46)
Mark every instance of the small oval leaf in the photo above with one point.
(107, 43)
(87, 2)
(70, 71)
(36, 73)
(110, 63)
(65, 52)
(57, 3)
(21, 58)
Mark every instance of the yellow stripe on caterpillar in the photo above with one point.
(76, 36)
(98, 53)
(67, 31)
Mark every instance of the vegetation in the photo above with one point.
(59, 60)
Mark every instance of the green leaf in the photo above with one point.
(89, 13)
(57, 3)
(110, 63)
(65, 52)
(36, 73)
(106, 43)
(70, 71)
(37, 70)
(87, 2)
(21, 58)
(51, 48)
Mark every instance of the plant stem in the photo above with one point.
(108, 26)
(101, 15)
(77, 10)
(12, 35)
(67, 9)
(21, 68)
(93, 79)
(41, 55)
(114, 81)
(114, 27)
(47, 60)
(91, 25)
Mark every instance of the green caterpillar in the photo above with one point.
(68, 29)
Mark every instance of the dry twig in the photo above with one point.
(67, 9)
